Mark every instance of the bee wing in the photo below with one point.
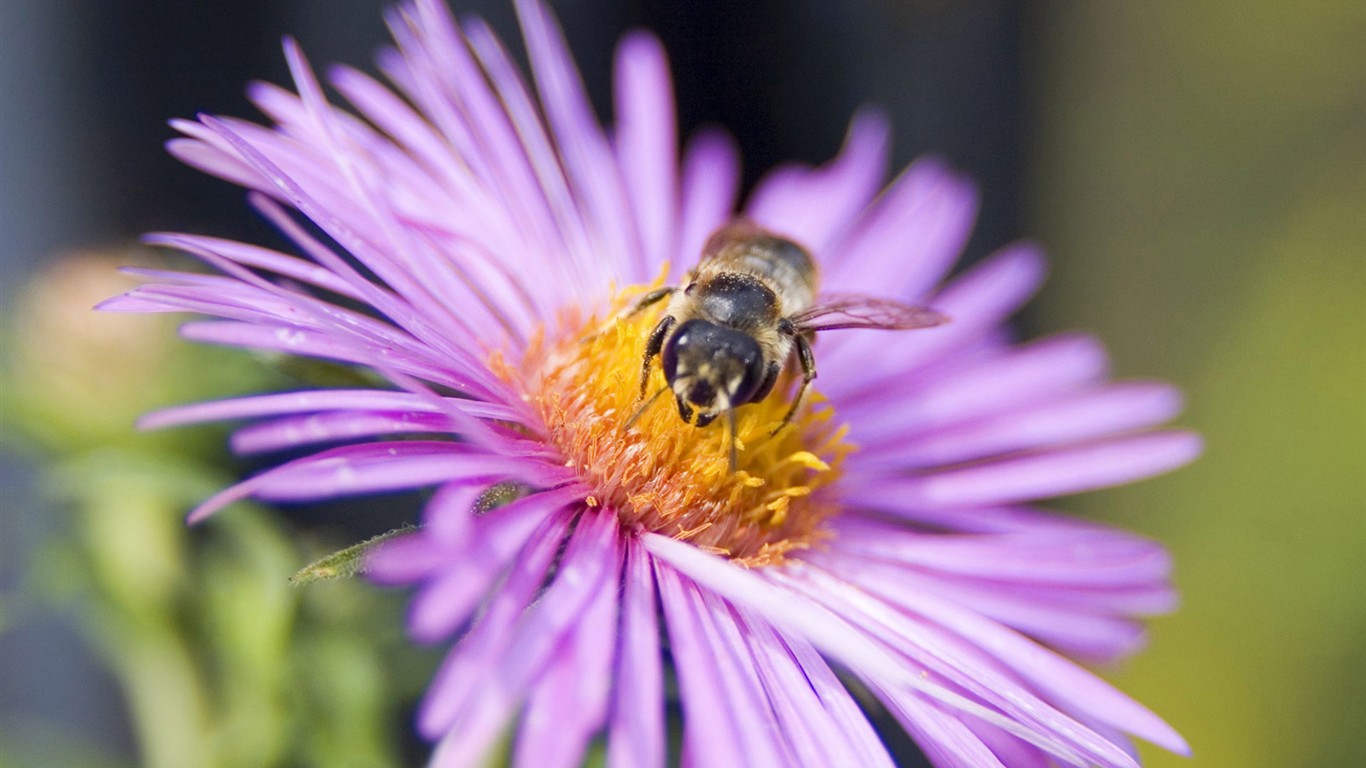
(851, 310)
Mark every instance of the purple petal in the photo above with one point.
(472, 567)
(944, 736)
(636, 733)
(814, 711)
(812, 206)
(723, 706)
(309, 401)
(361, 469)
(331, 346)
(1064, 683)
(1012, 751)
(298, 431)
(928, 646)
(976, 304)
(466, 668)
(570, 701)
(782, 607)
(406, 559)
(490, 672)
(1084, 416)
(863, 741)
(584, 150)
(646, 144)
(262, 258)
(1091, 557)
(1011, 378)
(1038, 476)
(906, 241)
(711, 180)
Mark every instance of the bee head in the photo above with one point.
(711, 368)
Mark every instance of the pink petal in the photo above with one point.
(723, 706)
(298, 431)
(1099, 557)
(907, 240)
(309, 401)
(583, 149)
(466, 668)
(976, 304)
(570, 701)
(647, 147)
(361, 469)
(812, 206)
(1061, 681)
(814, 710)
(711, 179)
(1038, 476)
(927, 645)
(781, 607)
(473, 567)
(1011, 378)
(944, 736)
(636, 733)
(505, 662)
(1082, 416)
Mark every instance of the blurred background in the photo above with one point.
(1197, 170)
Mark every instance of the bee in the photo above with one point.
(748, 306)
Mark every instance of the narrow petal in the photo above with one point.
(583, 148)
(457, 680)
(308, 401)
(1077, 418)
(360, 469)
(711, 181)
(813, 710)
(1010, 378)
(299, 431)
(812, 206)
(946, 739)
(647, 147)
(1064, 683)
(570, 701)
(907, 240)
(854, 648)
(926, 645)
(1096, 557)
(471, 572)
(727, 717)
(513, 659)
(636, 733)
(976, 304)
(1039, 476)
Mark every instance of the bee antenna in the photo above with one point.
(645, 406)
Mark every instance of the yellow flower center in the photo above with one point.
(663, 475)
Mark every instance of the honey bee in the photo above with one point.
(746, 308)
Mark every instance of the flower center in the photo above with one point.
(664, 475)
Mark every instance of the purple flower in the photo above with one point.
(479, 236)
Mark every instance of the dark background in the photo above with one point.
(1199, 174)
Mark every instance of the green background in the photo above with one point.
(1199, 172)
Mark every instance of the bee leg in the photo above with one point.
(652, 348)
(641, 304)
(808, 362)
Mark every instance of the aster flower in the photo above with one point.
(470, 239)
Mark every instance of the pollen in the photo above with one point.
(663, 475)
